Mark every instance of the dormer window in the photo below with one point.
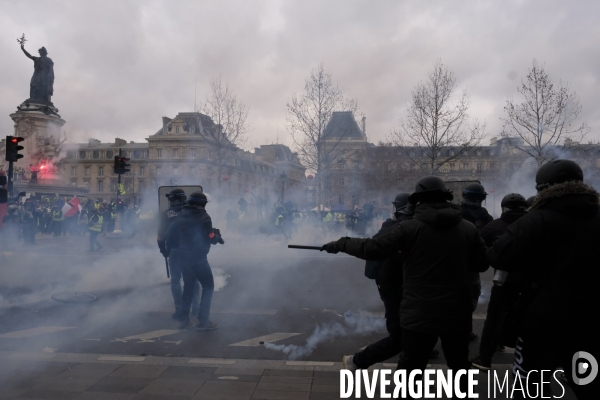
(176, 130)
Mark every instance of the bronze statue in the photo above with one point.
(42, 81)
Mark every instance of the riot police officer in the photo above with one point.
(190, 237)
(441, 250)
(556, 247)
(387, 274)
(472, 211)
(500, 320)
(177, 199)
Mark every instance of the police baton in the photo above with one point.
(167, 264)
(296, 246)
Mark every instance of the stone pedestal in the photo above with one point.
(41, 127)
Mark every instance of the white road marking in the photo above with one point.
(120, 358)
(176, 343)
(231, 378)
(146, 337)
(250, 311)
(311, 363)
(273, 337)
(210, 361)
(40, 330)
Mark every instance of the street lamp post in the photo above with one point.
(283, 178)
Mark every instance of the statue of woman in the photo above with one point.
(42, 81)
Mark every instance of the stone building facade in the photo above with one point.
(180, 153)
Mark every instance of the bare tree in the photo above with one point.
(437, 128)
(309, 115)
(231, 127)
(545, 116)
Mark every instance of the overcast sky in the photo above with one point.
(122, 65)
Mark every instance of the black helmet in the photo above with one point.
(474, 191)
(430, 188)
(197, 198)
(401, 200)
(176, 194)
(530, 201)
(513, 200)
(557, 171)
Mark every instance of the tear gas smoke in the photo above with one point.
(327, 332)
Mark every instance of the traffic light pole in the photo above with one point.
(118, 218)
(9, 185)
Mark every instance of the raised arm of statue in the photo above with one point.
(26, 53)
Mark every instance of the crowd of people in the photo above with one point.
(46, 216)
(426, 262)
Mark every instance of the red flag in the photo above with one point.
(74, 203)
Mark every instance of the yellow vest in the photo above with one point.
(97, 227)
(56, 216)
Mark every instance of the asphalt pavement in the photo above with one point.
(310, 309)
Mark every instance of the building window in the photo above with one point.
(465, 166)
(100, 171)
(479, 168)
(113, 186)
(109, 154)
(176, 129)
(142, 171)
(101, 186)
(74, 182)
(158, 153)
(452, 166)
(176, 152)
(86, 183)
(69, 154)
(194, 153)
(95, 154)
(158, 171)
(342, 181)
(341, 199)
(87, 171)
(82, 155)
(492, 166)
(136, 154)
(73, 171)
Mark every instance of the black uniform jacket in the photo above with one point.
(166, 218)
(497, 227)
(556, 246)
(191, 232)
(440, 252)
(477, 215)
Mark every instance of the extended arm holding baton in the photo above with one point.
(296, 246)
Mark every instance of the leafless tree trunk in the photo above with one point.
(437, 128)
(231, 127)
(545, 116)
(308, 116)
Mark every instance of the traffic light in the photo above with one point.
(13, 148)
(120, 165)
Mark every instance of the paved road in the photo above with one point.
(269, 293)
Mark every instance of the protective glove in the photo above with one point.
(330, 247)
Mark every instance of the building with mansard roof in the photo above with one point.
(181, 153)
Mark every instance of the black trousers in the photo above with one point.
(503, 300)
(545, 345)
(196, 268)
(417, 346)
(391, 345)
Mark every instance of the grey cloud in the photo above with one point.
(121, 66)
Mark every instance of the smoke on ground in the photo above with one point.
(326, 332)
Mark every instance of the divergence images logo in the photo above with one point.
(585, 368)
